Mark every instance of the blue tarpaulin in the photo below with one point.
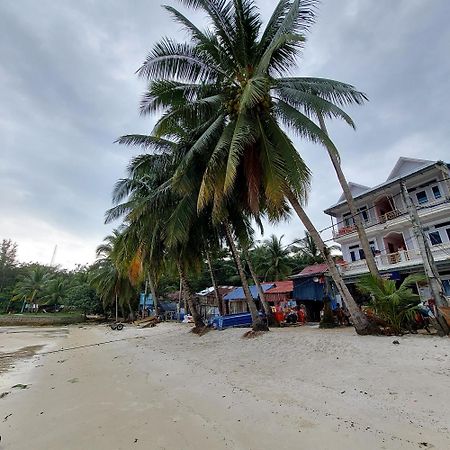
(238, 293)
(308, 289)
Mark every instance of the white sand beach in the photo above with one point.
(165, 388)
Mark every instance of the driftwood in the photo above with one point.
(147, 322)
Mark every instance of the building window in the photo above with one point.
(348, 220)
(361, 254)
(353, 256)
(422, 197)
(435, 238)
(436, 192)
(364, 213)
(448, 233)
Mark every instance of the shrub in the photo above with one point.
(396, 307)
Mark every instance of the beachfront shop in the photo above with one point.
(311, 286)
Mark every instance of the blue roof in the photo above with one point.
(238, 293)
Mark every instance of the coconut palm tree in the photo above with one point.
(356, 216)
(229, 84)
(30, 288)
(272, 259)
(159, 223)
(55, 291)
(181, 220)
(110, 274)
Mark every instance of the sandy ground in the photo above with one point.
(164, 388)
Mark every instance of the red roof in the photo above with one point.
(315, 269)
(281, 287)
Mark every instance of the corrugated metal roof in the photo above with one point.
(281, 287)
(238, 293)
(315, 269)
(309, 271)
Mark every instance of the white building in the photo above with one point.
(388, 225)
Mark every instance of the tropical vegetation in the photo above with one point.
(222, 158)
(50, 288)
(395, 306)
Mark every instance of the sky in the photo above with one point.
(68, 89)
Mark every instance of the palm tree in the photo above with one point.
(110, 275)
(160, 222)
(356, 216)
(396, 306)
(229, 85)
(184, 227)
(31, 287)
(272, 259)
(55, 291)
(309, 251)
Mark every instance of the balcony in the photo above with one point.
(397, 260)
(437, 206)
(390, 215)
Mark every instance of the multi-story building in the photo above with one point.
(388, 225)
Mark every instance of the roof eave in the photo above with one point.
(381, 186)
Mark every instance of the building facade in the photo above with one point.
(388, 225)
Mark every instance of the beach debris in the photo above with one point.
(61, 361)
(4, 394)
(135, 440)
(252, 334)
(20, 386)
(396, 342)
(73, 380)
(6, 417)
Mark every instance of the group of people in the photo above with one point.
(290, 314)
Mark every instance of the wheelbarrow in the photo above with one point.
(117, 326)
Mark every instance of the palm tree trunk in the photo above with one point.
(130, 309)
(370, 258)
(189, 299)
(153, 291)
(257, 322)
(262, 297)
(359, 319)
(217, 296)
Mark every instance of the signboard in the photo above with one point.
(391, 276)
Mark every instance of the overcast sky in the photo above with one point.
(68, 90)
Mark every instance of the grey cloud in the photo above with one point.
(68, 89)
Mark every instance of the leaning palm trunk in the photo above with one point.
(153, 291)
(359, 319)
(130, 310)
(257, 322)
(217, 296)
(262, 297)
(189, 299)
(370, 259)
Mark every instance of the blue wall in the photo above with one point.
(307, 289)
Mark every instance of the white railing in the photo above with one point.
(391, 260)
(390, 215)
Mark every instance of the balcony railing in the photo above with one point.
(403, 257)
(391, 215)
